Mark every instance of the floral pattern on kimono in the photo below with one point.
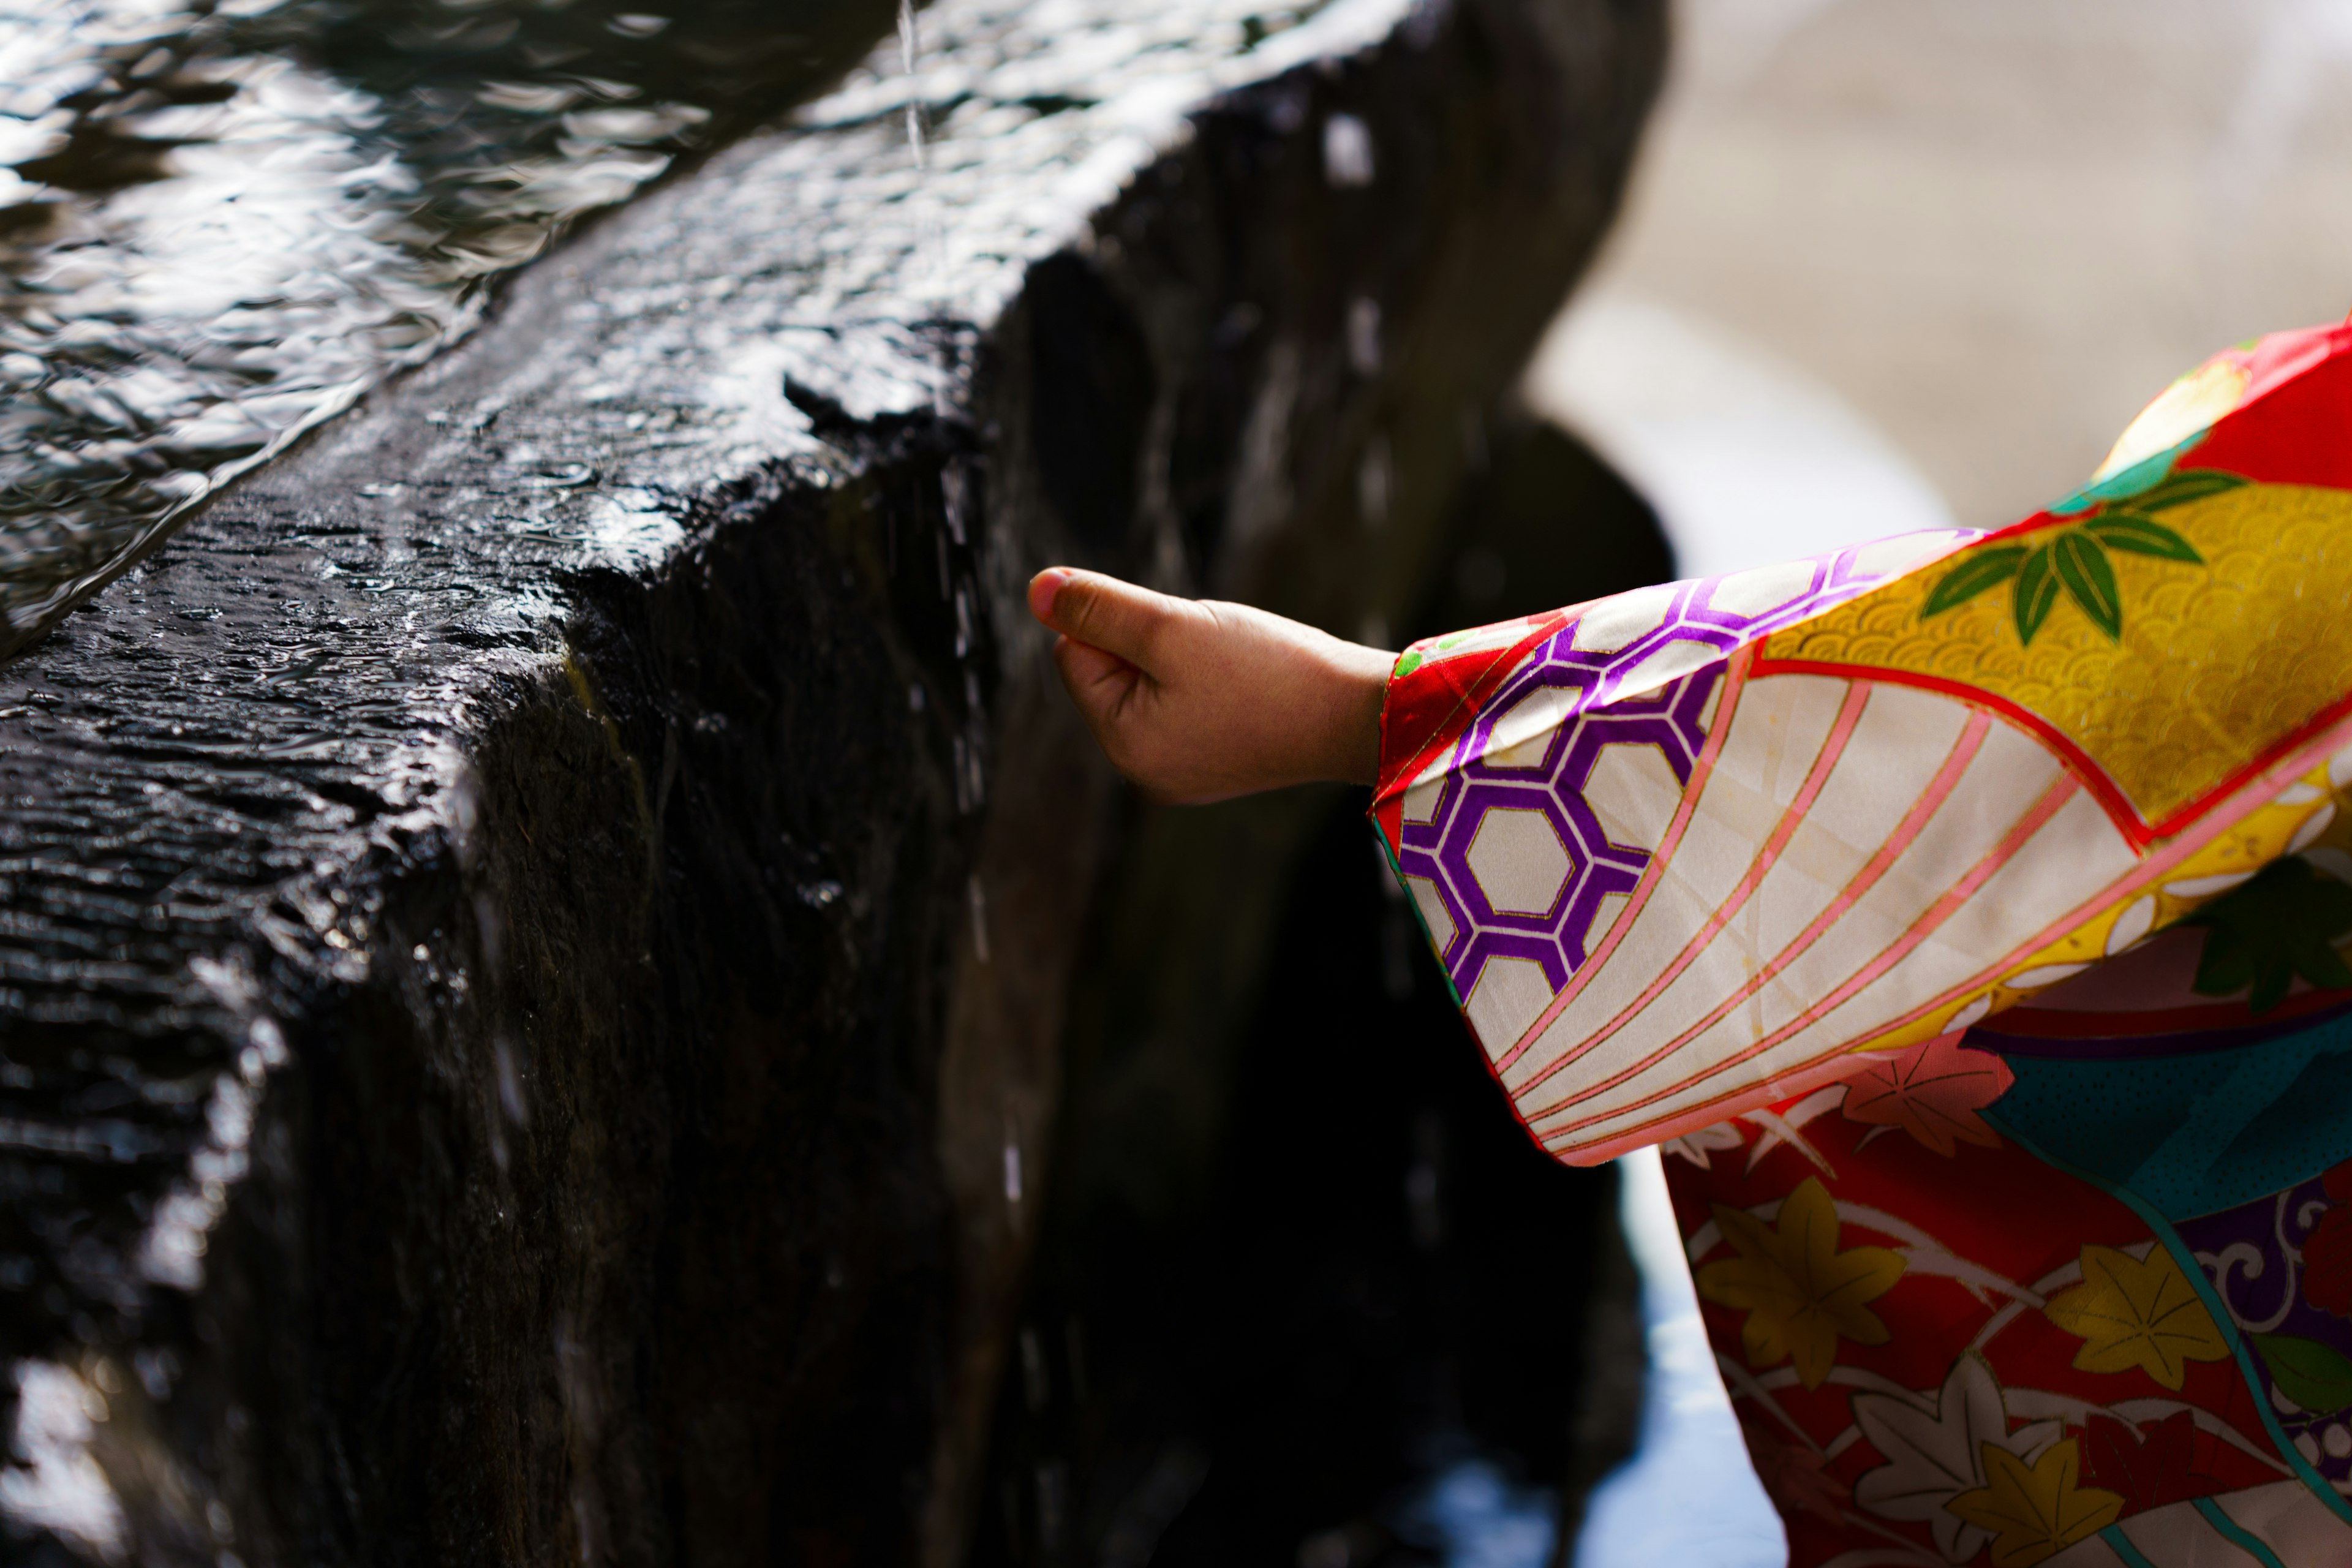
(1960, 913)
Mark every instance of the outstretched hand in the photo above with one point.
(1195, 701)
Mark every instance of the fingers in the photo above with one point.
(1098, 681)
(1103, 688)
(1102, 612)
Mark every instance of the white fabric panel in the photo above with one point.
(1777, 730)
(2068, 860)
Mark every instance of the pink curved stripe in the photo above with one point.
(1735, 677)
(2256, 793)
(2065, 787)
(1835, 1068)
(2153, 870)
(1915, 820)
(1817, 777)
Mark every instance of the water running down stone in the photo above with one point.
(663, 1199)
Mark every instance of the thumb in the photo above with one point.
(1102, 612)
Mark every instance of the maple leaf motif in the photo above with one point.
(1798, 1477)
(2327, 1263)
(1801, 1293)
(2038, 1511)
(2146, 1469)
(1934, 1456)
(2134, 1314)
(1696, 1147)
(1933, 1091)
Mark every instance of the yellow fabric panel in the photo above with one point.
(2217, 664)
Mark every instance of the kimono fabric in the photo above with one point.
(1960, 913)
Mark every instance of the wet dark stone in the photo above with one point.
(542, 933)
(365, 171)
(1090, 398)
(1258, 1343)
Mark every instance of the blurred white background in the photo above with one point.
(1992, 229)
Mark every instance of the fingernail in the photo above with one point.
(1042, 588)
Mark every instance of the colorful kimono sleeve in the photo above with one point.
(1682, 851)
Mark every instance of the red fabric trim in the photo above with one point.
(2092, 777)
(2139, 832)
(1425, 710)
(2301, 438)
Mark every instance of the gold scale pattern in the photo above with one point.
(2217, 664)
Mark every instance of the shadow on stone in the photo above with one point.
(544, 929)
(1294, 1274)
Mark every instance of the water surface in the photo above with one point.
(221, 224)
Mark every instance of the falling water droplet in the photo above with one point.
(1035, 1387)
(910, 43)
(1364, 335)
(1374, 483)
(1347, 152)
(954, 497)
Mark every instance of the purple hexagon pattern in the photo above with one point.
(1532, 885)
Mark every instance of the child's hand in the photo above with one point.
(1196, 700)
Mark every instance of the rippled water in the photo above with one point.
(220, 224)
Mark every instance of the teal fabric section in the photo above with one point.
(2237, 1534)
(2142, 475)
(2120, 1544)
(2194, 1134)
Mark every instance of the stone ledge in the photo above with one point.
(539, 926)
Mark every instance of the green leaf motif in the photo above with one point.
(2315, 1375)
(2186, 485)
(2074, 560)
(2263, 934)
(2090, 582)
(2137, 535)
(1406, 666)
(1980, 571)
(2037, 590)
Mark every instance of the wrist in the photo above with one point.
(1359, 679)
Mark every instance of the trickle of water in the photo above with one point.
(910, 43)
(222, 221)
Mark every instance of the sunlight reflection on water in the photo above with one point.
(222, 224)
